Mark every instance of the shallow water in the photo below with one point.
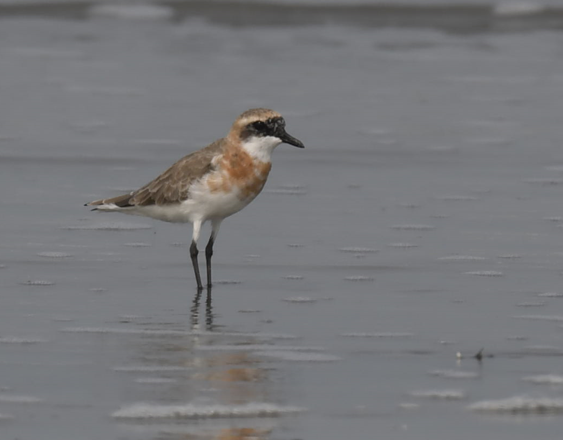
(423, 219)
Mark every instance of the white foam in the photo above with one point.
(461, 258)
(299, 357)
(359, 278)
(518, 8)
(486, 273)
(137, 244)
(193, 411)
(403, 245)
(531, 304)
(20, 341)
(520, 405)
(38, 283)
(6, 417)
(294, 277)
(14, 398)
(548, 379)
(111, 226)
(133, 11)
(509, 256)
(454, 374)
(300, 299)
(54, 254)
(551, 295)
(358, 250)
(440, 394)
(378, 335)
(413, 227)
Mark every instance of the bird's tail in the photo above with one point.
(123, 201)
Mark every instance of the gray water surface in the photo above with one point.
(423, 219)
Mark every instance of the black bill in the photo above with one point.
(288, 139)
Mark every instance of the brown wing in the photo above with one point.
(173, 185)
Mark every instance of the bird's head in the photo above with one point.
(260, 130)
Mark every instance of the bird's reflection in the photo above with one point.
(195, 311)
(202, 377)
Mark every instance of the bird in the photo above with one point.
(212, 183)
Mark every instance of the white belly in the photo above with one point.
(201, 205)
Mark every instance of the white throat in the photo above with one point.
(260, 148)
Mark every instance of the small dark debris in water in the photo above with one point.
(479, 355)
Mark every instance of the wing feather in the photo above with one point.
(173, 185)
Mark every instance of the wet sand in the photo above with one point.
(423, 219)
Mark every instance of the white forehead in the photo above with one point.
(253, 115)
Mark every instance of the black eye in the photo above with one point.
(259, 125)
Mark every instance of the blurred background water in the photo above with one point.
(421, 224)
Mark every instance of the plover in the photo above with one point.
(212, 183)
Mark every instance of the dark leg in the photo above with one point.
(208, 255)
(193, 255)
